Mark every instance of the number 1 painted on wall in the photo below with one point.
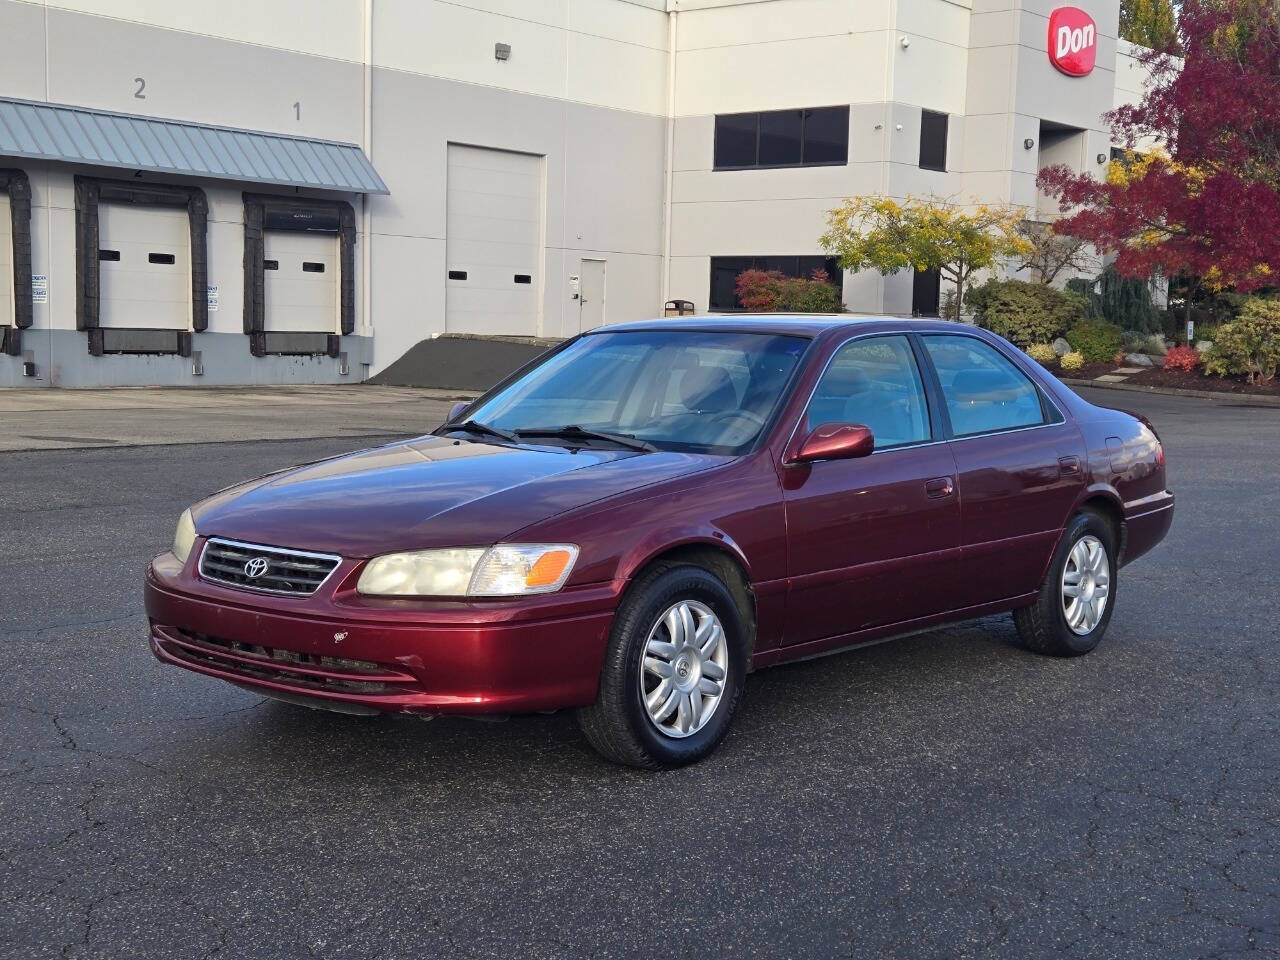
(297, 110)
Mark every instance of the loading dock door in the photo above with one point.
(6, 263)
(300, 281)
(144, 267)
(493, 241)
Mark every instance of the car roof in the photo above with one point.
(796, 324)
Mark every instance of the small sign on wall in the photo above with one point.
(39, 288)
(213, 298)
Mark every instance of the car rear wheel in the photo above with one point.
(1074, 606)
(673, 672)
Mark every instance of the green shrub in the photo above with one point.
(1025, 313)
(1250, 345)
(1073, 360)
(1041, 353)
(1096, 340)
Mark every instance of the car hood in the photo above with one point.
(427, 492)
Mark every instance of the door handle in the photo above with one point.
(940, 487)
(1069, 466)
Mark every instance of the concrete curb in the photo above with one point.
(1176, 392)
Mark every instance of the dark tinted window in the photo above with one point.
(826, 135)
(874, 382)
(725, 270)
(983, 390)
(933, 140)
(782, 138)
(736, 135)
(925, 288)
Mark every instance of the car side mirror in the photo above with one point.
(456, 410)
(836, 441)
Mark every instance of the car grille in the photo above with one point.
(255, 567)
(303, 671)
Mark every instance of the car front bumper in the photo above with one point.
(343, 652)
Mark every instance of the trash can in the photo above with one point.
(678, 308)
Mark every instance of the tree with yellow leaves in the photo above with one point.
(878, 233)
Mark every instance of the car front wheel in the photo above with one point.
(1074, 606)
(673, 672)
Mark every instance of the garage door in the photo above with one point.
(6, 262)
(493, 241)
(144, 267)
(300, 281)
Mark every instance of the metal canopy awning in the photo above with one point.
(45, 131)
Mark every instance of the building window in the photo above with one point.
(725, 270)
(818, 136)
(926, 287)
(933, 140)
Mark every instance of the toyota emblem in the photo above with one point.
(256, 567)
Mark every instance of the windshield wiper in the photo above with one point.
(475, 426)
(573, 430)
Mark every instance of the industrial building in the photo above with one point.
(300, 191)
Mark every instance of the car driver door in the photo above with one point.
(873, 540)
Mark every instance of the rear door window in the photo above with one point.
(983, 390)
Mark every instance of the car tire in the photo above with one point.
(691, 601)
(1084, 565)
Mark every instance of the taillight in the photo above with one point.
(1159, 454)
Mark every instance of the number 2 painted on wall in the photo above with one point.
(142, 85)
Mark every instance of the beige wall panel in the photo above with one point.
(703, 26)
(996, 29)
(989, 80)
(748, 229)
(22, 50)
(691, 280)
(324, 28)
(695, 141)
(938, 20)
(619, 20)
(930, 73)
(623, 76)
(93, 62)
(726, 187)
(408, 294)
(456, 42)
(782, 74)
(988, 144)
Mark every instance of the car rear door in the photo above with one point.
(1020, 466)
(875, 540)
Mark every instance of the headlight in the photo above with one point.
(505, 570)
(184, 536)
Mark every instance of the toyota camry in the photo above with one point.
(636, 520)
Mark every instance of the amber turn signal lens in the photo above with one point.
(548, 568)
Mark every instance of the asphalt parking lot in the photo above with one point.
(946, 795)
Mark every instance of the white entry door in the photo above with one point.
(6, 262)
(493, 241)
(144, 267)
(300, 281)
(591, 295)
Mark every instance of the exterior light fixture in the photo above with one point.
(906, 42)
(1028, 143)
(502, 51)
(1102, 158)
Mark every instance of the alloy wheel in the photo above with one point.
(1086, 585)
(684, 668)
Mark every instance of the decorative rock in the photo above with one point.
(1203, 345)
(1061, 347)
(1137, 360)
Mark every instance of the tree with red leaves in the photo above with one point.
(1205, 201)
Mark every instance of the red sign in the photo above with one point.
(1073, 41)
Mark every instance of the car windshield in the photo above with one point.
(695, 391)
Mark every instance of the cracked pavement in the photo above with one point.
(945, 795)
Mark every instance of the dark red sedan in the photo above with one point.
(633, 522)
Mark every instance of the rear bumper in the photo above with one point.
(475, 660)
(1146, 522)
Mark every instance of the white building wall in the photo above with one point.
(596, 88)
